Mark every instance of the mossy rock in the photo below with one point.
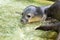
(11, 27)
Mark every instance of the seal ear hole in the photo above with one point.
(28, 16)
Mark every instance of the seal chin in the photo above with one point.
(34, 19)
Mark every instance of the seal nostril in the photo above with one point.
(23, 20)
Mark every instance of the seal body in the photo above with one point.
(54, 11)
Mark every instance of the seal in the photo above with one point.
(33, 13)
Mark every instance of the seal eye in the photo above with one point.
(28, 16)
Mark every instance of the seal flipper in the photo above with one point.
(54, 27)
(45, 28)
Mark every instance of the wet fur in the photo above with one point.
(53, 12)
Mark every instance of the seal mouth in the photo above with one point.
(31, 20)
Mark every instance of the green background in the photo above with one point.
(11, 27)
